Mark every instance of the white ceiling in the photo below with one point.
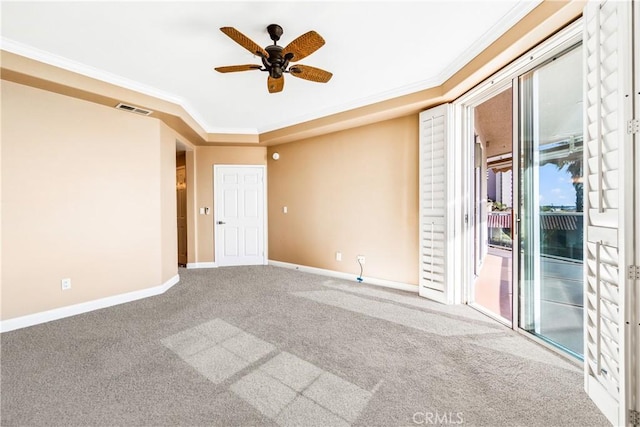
(375, 50)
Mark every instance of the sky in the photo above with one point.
(555, 187)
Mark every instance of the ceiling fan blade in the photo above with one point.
(304, 45)
(310, 73)
(244, 41)
(234, 68)
(275, 85)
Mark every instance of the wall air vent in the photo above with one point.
(133, 109)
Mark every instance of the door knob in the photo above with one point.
(221, 222)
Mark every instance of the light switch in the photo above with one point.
(284, 209)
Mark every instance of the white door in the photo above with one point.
(239, 215)
(611, 322)
(436, 254)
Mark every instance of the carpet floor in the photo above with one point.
(266, 346)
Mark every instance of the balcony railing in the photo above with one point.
(561, 233)
(499, 229)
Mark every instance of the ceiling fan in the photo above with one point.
(276, 59)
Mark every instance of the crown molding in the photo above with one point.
(233, 131)
(57, 61)
(520, 10)
(460, 75)
(85, 70)
(362, 102)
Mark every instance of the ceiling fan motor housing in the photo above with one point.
(276, 64)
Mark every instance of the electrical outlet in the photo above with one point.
(338, 256)
(360, 259)
(65, 284)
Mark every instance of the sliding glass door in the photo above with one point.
(550, 251)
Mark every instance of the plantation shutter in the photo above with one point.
(435, 210)
(608, 205)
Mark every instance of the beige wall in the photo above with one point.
(86, 195)
(205, 159)
(354, 191)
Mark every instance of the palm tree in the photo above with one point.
(574, 167)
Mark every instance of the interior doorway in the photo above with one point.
(185, 205)
(181, 207)
(492, 288)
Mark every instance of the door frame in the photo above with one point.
(634, 338)
(465, 106)
(464, 114)
(216, 241)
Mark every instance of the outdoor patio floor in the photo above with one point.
(561, 303)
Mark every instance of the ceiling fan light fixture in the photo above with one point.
(276, 72)
(275, 59)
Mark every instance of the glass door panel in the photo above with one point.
(550, 205)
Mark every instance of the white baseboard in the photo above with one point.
(85, 307)
(202, 265)
(346, 276)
